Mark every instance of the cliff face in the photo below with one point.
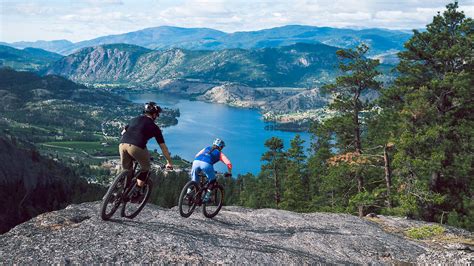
(109, 63)
(236, 235)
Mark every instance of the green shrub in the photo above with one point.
(425, 231)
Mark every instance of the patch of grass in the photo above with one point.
(424, 232)
(450, 238)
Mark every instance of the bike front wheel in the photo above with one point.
(132, 209)
(214, 205)
(113, 197)
(187, 201)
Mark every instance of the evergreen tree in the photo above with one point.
(275, 165)
(256, 191)
(358, 79)
(296, 192)
(433, 95)
(318, 165)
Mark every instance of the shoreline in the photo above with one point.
(290, 121)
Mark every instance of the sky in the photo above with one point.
(77, 20)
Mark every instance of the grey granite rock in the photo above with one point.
(236, 235)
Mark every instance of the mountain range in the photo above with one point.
(192, 61)
(300, 64)
(28, 59)
(165, 37)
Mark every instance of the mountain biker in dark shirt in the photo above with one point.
(134, 139)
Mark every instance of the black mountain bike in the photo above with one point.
(121, 192)
(188, 201)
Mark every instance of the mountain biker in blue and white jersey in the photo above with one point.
(205, 160)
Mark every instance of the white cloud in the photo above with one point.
(34, 9)
(23, 19)
(469, 10)
(352, 16)
(105, 2)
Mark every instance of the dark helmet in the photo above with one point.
(151, 108)
(219, 143)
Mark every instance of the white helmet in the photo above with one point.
(219, 143)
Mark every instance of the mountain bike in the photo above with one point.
(121, 191)
(188, 201)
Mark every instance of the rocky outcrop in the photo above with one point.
(305, 100)
(236, 235)
(237, 95)
(275, 100)
(183, 87)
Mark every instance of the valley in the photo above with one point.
(242, 69)
(67, 121)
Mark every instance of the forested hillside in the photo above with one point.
(28, 59)
(295, 65)
(409, 153)
(54, 108)
(31, 184)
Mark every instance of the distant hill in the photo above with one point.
(53, 46)
(53, 102)
(295, 65)
(157, 38)
(28, 59)
(39, 105)
(166, 37)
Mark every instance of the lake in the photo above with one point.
(243, 131)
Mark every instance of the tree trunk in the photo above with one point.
(358, 150)
(360, 185)
(357, 142)
(277, 188)
(388, 176)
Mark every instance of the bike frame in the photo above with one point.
(202, 187)
(129, 186)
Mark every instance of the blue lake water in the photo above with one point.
(243, 131)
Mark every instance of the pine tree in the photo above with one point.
(296, 192)
(318, 165)
(256, 191)
(275, 166)
(359, 78)
(433, 96)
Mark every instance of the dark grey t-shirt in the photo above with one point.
(140, 130)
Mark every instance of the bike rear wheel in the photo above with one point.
(113, 197)
(187, 203)
(212, 208)
(131, 209)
